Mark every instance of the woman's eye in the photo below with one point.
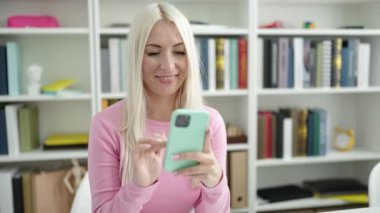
(180, 52)
(152, 53)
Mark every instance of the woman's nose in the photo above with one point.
(167, 61)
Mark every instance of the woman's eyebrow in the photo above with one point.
(153, 45)
(178, 44)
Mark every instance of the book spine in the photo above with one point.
(233, 63)
(211, 64)
(219, 42)
(203, 42)
(11, 117)
(298, 62)
(243, 62)
(113, 44)
(3, 133)
(3, 71)
(337, 62)
(13, 65)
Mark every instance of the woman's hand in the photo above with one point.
(208, 171)
(147, 160)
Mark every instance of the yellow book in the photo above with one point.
(58, 85)
(67, 139)
(353, 198)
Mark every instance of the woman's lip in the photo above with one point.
(167, 79)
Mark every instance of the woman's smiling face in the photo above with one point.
(165, 61)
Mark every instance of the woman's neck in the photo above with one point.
(160, 108)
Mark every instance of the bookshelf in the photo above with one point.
(74, 50)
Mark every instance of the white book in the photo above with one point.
(260, 63)
(287, 138)
(364, 64)
(11, 119)
(211, 64)
(327, 69)
(113, 45)
(6, 191)
(298, 62)
(227, 64)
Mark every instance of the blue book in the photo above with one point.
(310, 133)
(3, 71)
(344, 77)
(3, 133)
(291, 66)
(203, 42)
(13, 63)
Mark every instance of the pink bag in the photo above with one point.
(31, 21)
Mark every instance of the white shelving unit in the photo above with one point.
(73, 51)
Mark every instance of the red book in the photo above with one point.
(242, 62)
(267, 134)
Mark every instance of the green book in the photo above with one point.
(28, 128)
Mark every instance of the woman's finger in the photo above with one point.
(194, 171)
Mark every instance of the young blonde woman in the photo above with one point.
(127, 140)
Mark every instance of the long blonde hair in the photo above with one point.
(189, 95)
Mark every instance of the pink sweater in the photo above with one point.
(170, 193)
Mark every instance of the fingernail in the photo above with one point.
(175, 157)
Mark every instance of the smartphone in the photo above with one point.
(186, 134)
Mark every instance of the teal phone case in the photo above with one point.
(185, 139)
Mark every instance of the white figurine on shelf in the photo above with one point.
(34, 74)
(77, 172)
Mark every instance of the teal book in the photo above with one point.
(13, 63)
(28, 128)
(233, 63)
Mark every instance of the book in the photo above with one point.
(3, 132)
(203, 52)
(11, 117)
(233, 63)
(337, 62)
(327, 63)
(63, 140)
(335, 186)
(298, 62)
(13, 68)
(267, 63)
(6, 191)
(227, 64)
(211, 64)
(283, 62)
(3, 71)
(243, 63)
(283, 193)
(105, 72)
(363, 64)
(28, 128)
(219, 43)
(57, 86)
(26, 192)
(123, 65)
(114, 52)
(238, 178)
(18, 201)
